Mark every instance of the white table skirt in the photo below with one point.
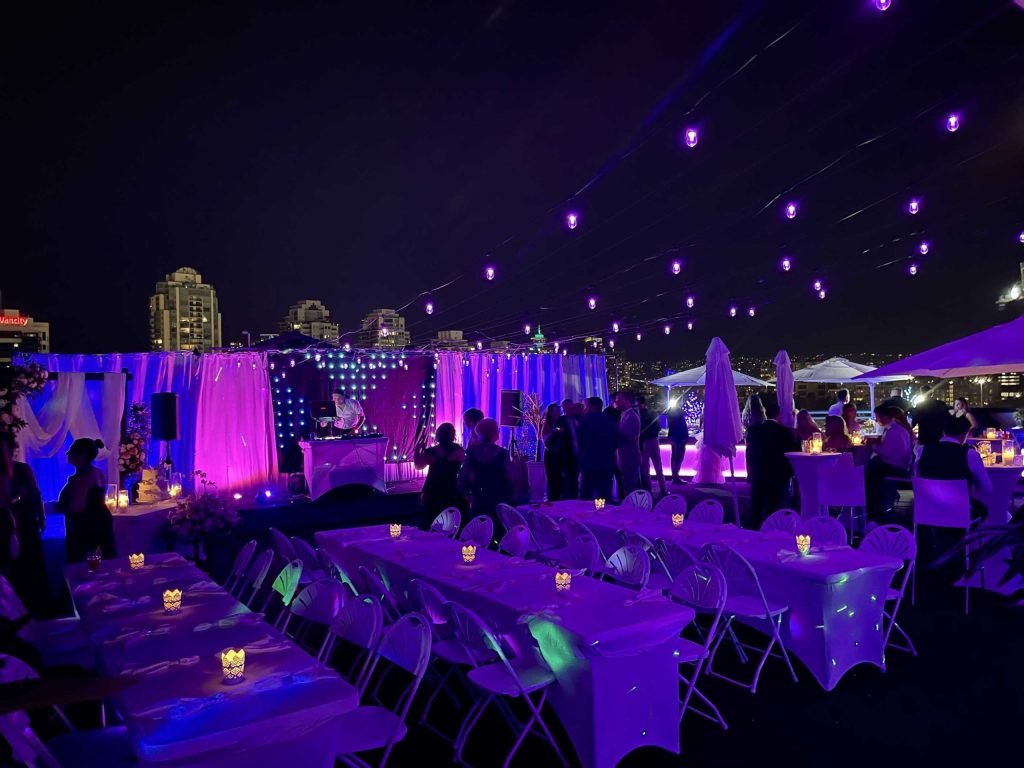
(329, 464)
(285, 710)
(140, 527)
(809, 468)
(617, 684)
(835, 595)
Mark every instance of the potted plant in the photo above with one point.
(532, 414)
(202, 519)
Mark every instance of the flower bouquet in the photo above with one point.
(132, 451)
(202, 513)
(20, 380)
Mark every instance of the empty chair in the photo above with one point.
(336, 570)
(944, 504)
(510, 517)
(516, 542)
(673, 557)
(842, 486)
(640, 499)
(359, 623)
(447, 522)
(479, 531)
(236, 578)
(701, 586)
(256, 577)
(547, 535)
(895, 541)
(629, 565)
(584, 552)
(495, 675)
(708, 511)
(746, 601)
(823, 530)
(283, 587)
(58, 641)
(673, 504)
(660, 579)
(376, 586)
(787, 520)
(316, 605)
(282, 545)
(312, 568)
(404, 648)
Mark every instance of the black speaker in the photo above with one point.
(511, 408)
(163, 407)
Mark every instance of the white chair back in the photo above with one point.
(256, 576)
(479, 531)
(942, 503)
(510, 517)
(640, 499)
(584, 552)
(282, 545)
(673, 504)
(546, 532)
(708, 511)
(823, 529)
(630, 565)
(787, 520)
(305, 552)
(516, 542)
(236, 578)
(359, 622)
(26, 747)
(375, 586)
(447, 522)
(674, 558)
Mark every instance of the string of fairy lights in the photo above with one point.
(631, 319)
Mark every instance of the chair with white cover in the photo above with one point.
(497, 677)
(674, 558)
(98, 748)
(376, 586)
(317, 605)
(256, 577)
(842, 486)
(629, 566)
(746, 601)
(944, 504)
(708, 511)
(510, 517)
(672, 504)
(336, 570)
(895, 541)
(516, 542)
(282, 545)
(447, 522)
(823, 529)
(702, 587)
(312, 567)
(236, 578)
(405, 648)
(640, 499)
(282, 591)
(479, 531)
(787, 520)
(359, 624)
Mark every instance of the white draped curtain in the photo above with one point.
(71, 412)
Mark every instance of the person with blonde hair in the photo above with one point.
(485, 473)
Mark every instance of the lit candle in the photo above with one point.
(991, 434)
(172, 600)
(174, 490)
(857, 438)
(122, 498)
(135, 562)
(468, 553)
(677, 520)
(395, 529)
(803, 543)
(1009, 451)
(563, 580)
(599, 503)
(233, 663)
(816, 443)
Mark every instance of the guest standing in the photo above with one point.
(806, 426)
(650, 445)
(21, 504)
(897, 399)
(768, 469)
(891, 457)
(615, 416)
(443, 460)
(836, 438)
(678, 437)
(470, 419)
(598, 438)
(569, 425)
(485, 473)
(962, 410)
(553, 451)
(87, 521)
(929, 417)
(842, 398)
(629, 444)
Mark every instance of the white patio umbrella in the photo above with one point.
(839, 370)
(722, 427)
(784, 385)
(696, 377)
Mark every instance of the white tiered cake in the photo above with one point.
(153, 486)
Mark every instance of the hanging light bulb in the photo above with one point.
(923, 248)
(912, 270)
(677, 267)
(615, 327)
(733, 311)
(786, 264)
(883, 5)
(488, 273)
(690, 137)
(592, 302)
(790, 210)
(752, 311)
(817, 285)
(572, 220)
(821, 294)
(611, 343)
(952, 122)
(556, 346)
(690, 301)
(1021, 237)
(914, 206)
(689, 325)
(667, 329)
(639, 336)
(527, 329)
(429, 308)
(479, 345)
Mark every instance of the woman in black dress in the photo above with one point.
(554, 440)
(485, 475)
(443, 462)
(22, 505)
(87, 521)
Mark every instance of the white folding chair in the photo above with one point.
(510, 517)
(447, 522)
(377, 587)
(895, 541)
(674, 558)
(546, 533)
(256, 577)
(236, 578)
(660, 579)
(708, 511)
(519, 678)
(823, 529)
(746, 601)
(316, 605)
(787, 520)
(282, 545)
(584, 553)
(944, 504)
(516, 542)
(284, 586)
(405, 647)
(842, 486)
(312, 568)
(630, 566)
(640, 499)
(336, 570)
(479, 531)
(359, 623)
(701, 586)
(673, 504)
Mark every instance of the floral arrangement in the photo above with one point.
(532, 414)
(25, 380)
(132, 456)
(201, 513)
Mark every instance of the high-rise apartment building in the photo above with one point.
(184, 313)
(383, 329)
(312, 318)
(21, 334)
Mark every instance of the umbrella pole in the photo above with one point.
(871, 389)
(735, 496)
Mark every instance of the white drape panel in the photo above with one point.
(69, 412)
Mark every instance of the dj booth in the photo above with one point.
(332, 462)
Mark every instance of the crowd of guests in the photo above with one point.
(589, 451)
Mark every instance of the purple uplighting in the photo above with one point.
(733, 311)
(790, 210)
(488, 273)
(690, 137)
(923, 248)
(690, 301)
(914, 206)
(677, 267)
(592, 302)
(786, 264)
(572, 220)
(952, 122)
(883, 5)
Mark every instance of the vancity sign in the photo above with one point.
(19, 321)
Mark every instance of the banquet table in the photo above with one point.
(180, 712)
(140, 527)
(835, 594)
(610, 648)
(809, 469)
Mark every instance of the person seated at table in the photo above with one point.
(842, 398)
(23, 516)
(962, 409)
(87, 521)
(891, 456)
(951, 459)
(485, 473)
(768, 469)
(598, 438)
(850, 418)
(470, 419)
(836, 438)
(443, 461)
(806, 426)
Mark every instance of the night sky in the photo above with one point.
(365, 153)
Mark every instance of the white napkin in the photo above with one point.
(134, 637)
(643, 595)
(267, 644)
(160, 666)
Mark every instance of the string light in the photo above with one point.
(611, 343)
(786, 263)
(667, 329)
(752, 311)
(689, 325)
(592, 302)
(479, 345)
(690, 301)
(677, 267)
(429, 308)
(923, 248)
(914, 206)
(488, 273)
(615, 327)
(690, 137)
(527, 329)
(639, 336)
(733, 311)
(1021, 237)
(883, 5)
(822, 294)
(912, 269)
(817, 285)
(953, 122)
(556, 346)
(790, 210)
(572, 220)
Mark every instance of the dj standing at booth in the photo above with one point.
(349, 414)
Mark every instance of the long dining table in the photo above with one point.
(180, 712)
(835, 593)
(610, 648)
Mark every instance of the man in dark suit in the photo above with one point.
(768, 469)
(598, 439)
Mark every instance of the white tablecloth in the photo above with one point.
(835, 595)
(180, 713)
(329, 464)
(809, 468)
(617, 686)
(140, 527)
(1005, 480)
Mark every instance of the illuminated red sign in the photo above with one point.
(17, 320)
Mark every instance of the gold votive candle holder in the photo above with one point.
(468, 553)
(803, 543)
(677, 520)
(136, 562)
(599, 503)
(563, 580)
(122, 499)
(172, 600)
(233, 665)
